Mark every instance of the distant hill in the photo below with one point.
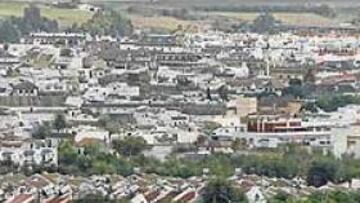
(209, 3)
(342, 3)
(220, 2)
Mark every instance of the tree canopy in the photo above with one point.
(43, 131)
(107, 22)
(265, 23)
(91, 160)
(13, 28)
(130, 146)
(333, 102)
(59, 122)
(222, 191)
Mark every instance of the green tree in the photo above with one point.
(281, 197)
(333, 102)
(68, 154)
(219, 165)
(324, 170)
(222, 191)
(59, 122)
(13, 28)
(296, 89)
(130, 146)
(326, 11)
(239, 144)
(109, 124)
(93, 160)
(8, 32)
(108, 22)
(223, 93)
(208, 94)
(6, 47)
(265, 23)
(334, 197)
(43, 131)
(210, 126)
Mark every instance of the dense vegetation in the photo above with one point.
(222, 191)
(107, 22)
(327, 101)
(316, 168)
(265, 23)
(333, 102)
(123, 155)
(130, 146)
(8, 32)
(320, 197)
(45, 129)
(92, 160)
(13, 28)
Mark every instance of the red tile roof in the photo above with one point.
(152, 196)
(61, 199)
(188, 197)
(22, 198)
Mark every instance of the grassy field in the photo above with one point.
(171, 23)
(67, 16)
(161, 22)
(11, 9)
(305, 19)
(246, 17)
(302, 19)
(64, 16)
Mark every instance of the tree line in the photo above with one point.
(107, 22)
(323, 9)
(13, 28)
(317, 169)
(333, 102)
(122, 155)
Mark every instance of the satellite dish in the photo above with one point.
(357, 63)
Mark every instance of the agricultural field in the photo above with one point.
(172, 23)
(65, 17)
(246, 17)
(11, 9)
(305, 19)
(162, 22)
(301, 19)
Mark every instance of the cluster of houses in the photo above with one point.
(168, 89)
(146, 188)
